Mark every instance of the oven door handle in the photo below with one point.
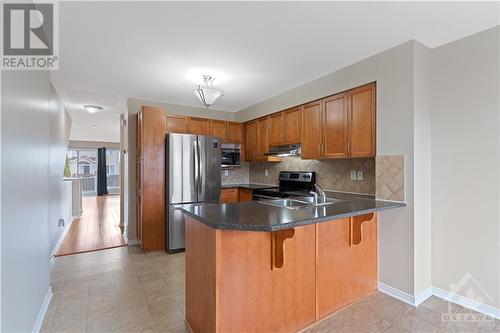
(263, 197)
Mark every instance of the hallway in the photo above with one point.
(97, 229)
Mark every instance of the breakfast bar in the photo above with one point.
(258, 267)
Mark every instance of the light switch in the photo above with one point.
(226, 173)
(353, 175)
(266, 172)
(360, 175)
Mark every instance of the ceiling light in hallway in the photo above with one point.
(92, 108)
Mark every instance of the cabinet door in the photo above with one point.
(335, 129)
(311, 131)
(251, 141)
(362, 121)
(245, 194)
(276, 129)
(292, 125)
(333, 266)
(177, 124)
(233, 132)
(262, 138)
(218, 128)
(200, 126)
(229, 195)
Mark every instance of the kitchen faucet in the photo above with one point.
(319, 190)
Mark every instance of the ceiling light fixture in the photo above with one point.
(208, 94)
(92, 108)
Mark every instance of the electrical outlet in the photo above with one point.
(353, 175)
(226, 173)
(360, 175)
(266, 172)
(61, 222)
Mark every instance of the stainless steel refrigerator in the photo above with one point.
(193, 176)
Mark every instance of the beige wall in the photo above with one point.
(465, 163)
(393, 71)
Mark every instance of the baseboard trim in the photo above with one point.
(396, 293)
(59, 241)
(43, 310)
(441, 293)
(467, 302)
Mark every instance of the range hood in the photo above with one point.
(284, 150)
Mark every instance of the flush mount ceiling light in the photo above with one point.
(208, 94)
(92, 108)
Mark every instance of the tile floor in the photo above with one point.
(126, 290)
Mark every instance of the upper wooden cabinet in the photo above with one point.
(177, 124)
(251, 141)
(200, 126)
(276, 129)
(361, 105)
(234, 132)
(262, 138)
(228, 131)
(311, 131)
(346, 125)
(292, 125)
(285, 127)
(335, 130)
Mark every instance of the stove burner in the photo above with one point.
(291, 183)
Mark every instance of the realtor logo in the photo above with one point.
(29, 31)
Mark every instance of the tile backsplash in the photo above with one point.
(390, 177)
(330, 174)
(236, 175)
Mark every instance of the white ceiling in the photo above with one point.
(158, 50)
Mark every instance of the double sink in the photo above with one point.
(300, 202)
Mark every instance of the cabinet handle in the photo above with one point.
(348, 146)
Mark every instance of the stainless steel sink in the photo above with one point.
(317, 201)
(287, 203)
(299, 203)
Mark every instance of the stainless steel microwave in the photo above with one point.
(231, 154)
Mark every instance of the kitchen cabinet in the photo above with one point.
(292, 125)
(150, 177)
(311, 131)
(340, 126)
(177, 124)
(200, 126)
(276, 129)
(234, 130)
(228, 131)
(251, 141)
(361, 105)
(285, 127)
(229, 195)
(245, 194)
(346, 262)
(335, 130)
(262, 138)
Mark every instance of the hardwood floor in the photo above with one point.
(97, 229)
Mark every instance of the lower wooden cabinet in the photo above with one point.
(245, 194)
(229, 195)
(232, 195)
(346, 262)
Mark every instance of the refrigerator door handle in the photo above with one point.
(200, 173)
(196, 167)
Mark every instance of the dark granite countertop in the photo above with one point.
(249, 186)
(255, 216)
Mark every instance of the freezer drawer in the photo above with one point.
(175, 230)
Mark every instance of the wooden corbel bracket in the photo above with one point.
(355, 234)
(278, 248)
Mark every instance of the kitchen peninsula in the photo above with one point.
(258, 267)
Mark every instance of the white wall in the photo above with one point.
(465, 163)
(103, 133)
(25, 247)
(393, 70)
(60, 198)
(133, 106)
